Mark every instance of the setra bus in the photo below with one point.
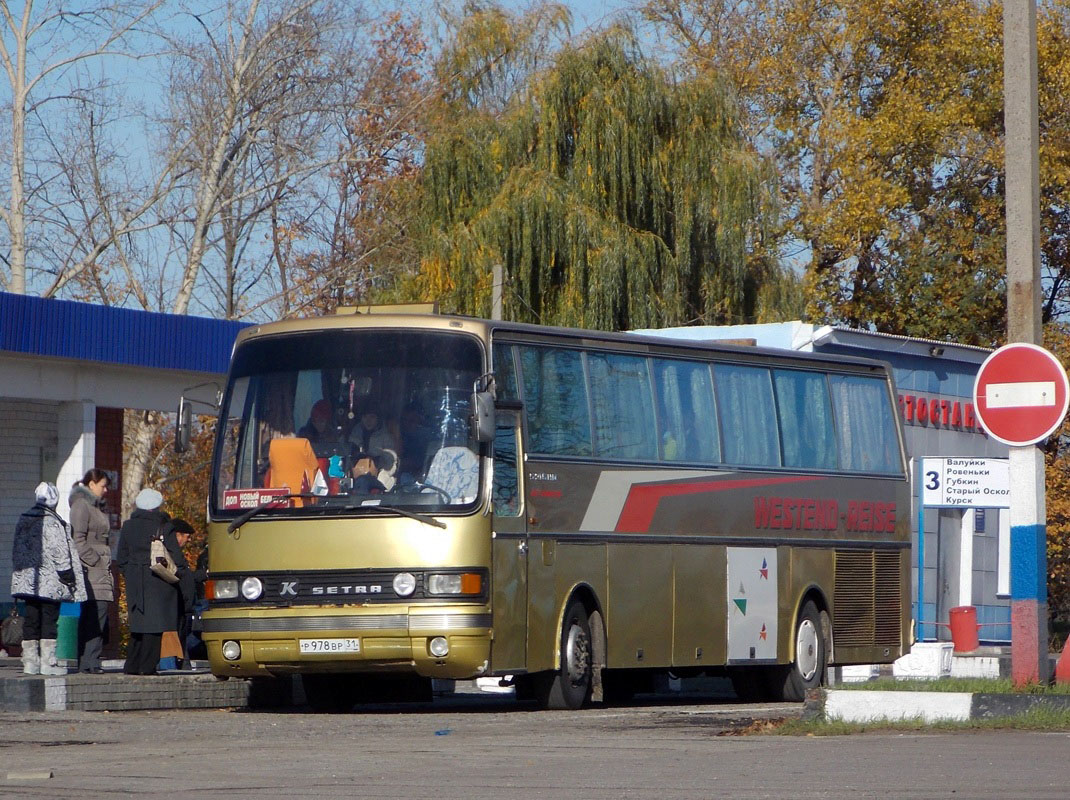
(401, 497)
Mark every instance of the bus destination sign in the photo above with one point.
(965, 482)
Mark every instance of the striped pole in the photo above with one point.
(1029, 572)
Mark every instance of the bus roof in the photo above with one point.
(646, 342)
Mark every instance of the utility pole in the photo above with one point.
(1029, 588)
(496, 296)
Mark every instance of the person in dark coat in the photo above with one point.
(152, 603)
(92, 536)
(189, 587)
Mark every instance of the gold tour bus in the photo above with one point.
(398, 497)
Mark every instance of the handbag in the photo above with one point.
(170, 646)
(11, 629)
(160, 561)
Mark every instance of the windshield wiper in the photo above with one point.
(241, 519)
(424, 518)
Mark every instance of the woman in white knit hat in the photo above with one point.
(46, 572)
(151, 602)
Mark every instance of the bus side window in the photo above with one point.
(506, 489)
(687, 417)
(623, 408)
(805, 413)
(748, 415)
(555, 401)
(864, 417)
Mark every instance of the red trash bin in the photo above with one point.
(963, 624)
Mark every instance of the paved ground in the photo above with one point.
(479, 747)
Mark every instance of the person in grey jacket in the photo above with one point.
(92, 532)
(45, 573)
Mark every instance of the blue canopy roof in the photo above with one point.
(83, 331)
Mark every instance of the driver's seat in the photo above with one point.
(455, 470)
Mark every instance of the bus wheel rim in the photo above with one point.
(806, 649)
(576, 655)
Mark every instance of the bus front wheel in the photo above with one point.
(570, 686)
(806, 672)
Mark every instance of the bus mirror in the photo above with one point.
(183, 425)
(483, 416)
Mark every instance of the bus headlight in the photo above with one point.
(404, 584)
(231, 650)
(439, 647)
(252, 588)
(456, 583)
(226, 589)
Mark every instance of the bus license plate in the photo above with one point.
(329, 645)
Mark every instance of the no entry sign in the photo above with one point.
(1021, 394)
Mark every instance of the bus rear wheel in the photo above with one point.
(791, 683)
(570, 686)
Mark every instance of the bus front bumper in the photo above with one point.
(247, 642)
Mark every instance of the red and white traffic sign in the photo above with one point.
(1021, 394)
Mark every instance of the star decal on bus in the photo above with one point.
(763, 634)
(764, 571)
(741, 602)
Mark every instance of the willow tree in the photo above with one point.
(613, 195)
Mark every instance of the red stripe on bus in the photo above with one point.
(642, 502)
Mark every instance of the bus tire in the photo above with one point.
(570, 687)
(807, 671)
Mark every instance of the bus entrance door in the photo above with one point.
(509, 568)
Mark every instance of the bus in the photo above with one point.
(400, 497)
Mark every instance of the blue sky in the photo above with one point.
(595, 13)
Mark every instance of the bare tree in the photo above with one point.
(258, 123)
(249, 103)
(39, 49)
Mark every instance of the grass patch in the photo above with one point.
(972, 685)
(1037, 719)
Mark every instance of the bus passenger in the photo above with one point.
(372, 437)
(365, 473)
(319, 427)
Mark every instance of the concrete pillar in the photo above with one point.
(76, 429)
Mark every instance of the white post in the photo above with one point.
(1003, 563)
(76, 431)
(496, 297)
(966, 558)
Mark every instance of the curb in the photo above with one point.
(118, 692)
(862, 705)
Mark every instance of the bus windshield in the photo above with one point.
(345, 422)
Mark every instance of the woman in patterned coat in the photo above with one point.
(46, 572)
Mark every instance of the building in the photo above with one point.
(67, 371)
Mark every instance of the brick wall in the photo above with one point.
(28, 442)
(110, 456)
